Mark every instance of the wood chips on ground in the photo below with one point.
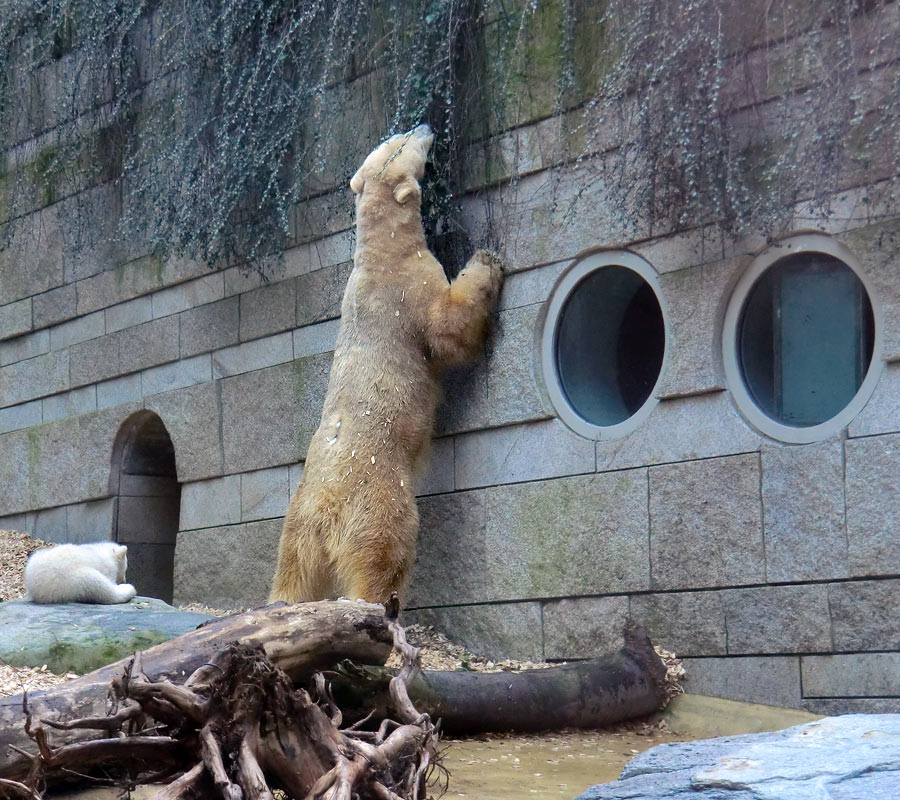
(15, 547)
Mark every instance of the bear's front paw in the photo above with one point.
(486, 258)
(125, 592)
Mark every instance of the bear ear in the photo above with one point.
(121, 550)
(357, 182)
(407, 188)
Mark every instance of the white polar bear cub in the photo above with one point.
(78, 573)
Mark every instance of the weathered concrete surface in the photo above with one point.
(80, 637)
(836, 758)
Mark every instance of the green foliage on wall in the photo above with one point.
(216, 117)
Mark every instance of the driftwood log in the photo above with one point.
(237, 728)
(299, 639)
(585, 694)
(224, 711)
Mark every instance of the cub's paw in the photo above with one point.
(125, 592)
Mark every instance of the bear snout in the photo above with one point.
(423, 135)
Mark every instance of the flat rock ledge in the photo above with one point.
(836, 758)
(80, 637)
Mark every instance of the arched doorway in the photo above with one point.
(145, 483)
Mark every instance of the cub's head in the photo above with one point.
(121, 553)
(397, 163)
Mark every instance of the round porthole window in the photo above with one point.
(604, 342)
(800, 340)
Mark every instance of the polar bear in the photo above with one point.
(352, 523)
(78, 573)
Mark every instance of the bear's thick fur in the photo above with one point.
(78, 573)
(352, 523)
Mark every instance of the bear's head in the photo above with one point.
(398, 164)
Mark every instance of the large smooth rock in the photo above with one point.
(80, 637)
(836, 758)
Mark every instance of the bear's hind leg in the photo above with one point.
(92, 586)
(381, 560)
(302, 574)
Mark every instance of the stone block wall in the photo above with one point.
(772, 569)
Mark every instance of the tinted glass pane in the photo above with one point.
(805, 339)
(610, 340)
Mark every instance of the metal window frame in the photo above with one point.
(764, 424)
(582, 266)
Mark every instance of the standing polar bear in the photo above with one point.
(352, 523)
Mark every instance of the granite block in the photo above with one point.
(557, 538)
(212, 565)
(778, 619)
(15, 319)
(882, 413)
(90, 326)
(438, 475)
(54, 306)
(192, 417)
(327, 251)
(191, 294)
(265, 493)
(864, 615)
(23, 415)
(269, 416)
(585, 627)
(687, 623)
(511, 630)
(149, 344)
(769, 680)
(502, 386)
(93, 521)
(267, 310)
(177, 375)
(536, 450)
(22, 347)
(695, 301)
(803, 511)
(319, 293)
(530, 286)
(117, 391)
(207, 504)
(705, 524)
(95, 360)
(128, 314)
(250, 356)
(136, 278)
(682, 429)
(210, 327)
(873, 504)
(851, 675)
(315, 339)
(683, 250)
(36, 377)
(49, 525)
(68, 404)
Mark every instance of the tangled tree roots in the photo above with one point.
(237, 729)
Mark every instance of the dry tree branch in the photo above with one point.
(238, 726)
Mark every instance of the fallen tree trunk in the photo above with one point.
(303, 639)
(299, 639)
(587, 694)
(237, 728)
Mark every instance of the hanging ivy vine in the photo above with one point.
(213, 119)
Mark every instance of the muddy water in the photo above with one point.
(555, 765)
